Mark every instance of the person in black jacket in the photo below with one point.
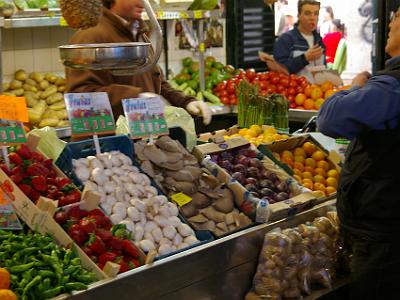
(368, 199)
(302, 46)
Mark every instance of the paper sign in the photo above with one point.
(89, 113)
(13, 109)
(8, 217)
(63, 22)
(145, 117)
(198, 14)
(12, 132)
(181, 199)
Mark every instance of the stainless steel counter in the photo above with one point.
(222, 269)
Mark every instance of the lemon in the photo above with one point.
(256, 128)
(243, 131)
(269, 131)
(252, 133)
(268, 139)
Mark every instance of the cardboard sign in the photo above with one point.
(145, 117)
(8, 217)
(13, 109)
(12, 132)
(89, 113)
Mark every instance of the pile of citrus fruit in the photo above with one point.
(259, 135)
(311, 168)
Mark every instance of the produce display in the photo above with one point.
(258, 135)
(36, 176)
(38, 268)
(188, 80)
(295, 259)
(44, 95)
(130, 199)
(41, 4)
(176, 171)
(247, 167)
(311, 168)
(99, 239)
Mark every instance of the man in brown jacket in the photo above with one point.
(121, 22)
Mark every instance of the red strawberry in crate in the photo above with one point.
(88, 224)
(96, 244)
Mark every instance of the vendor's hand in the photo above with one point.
(314, 53)
(361, 79)
(200, 108)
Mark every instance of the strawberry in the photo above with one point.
(87, 251)
(123, 265)
(26, 189)
(61, 217)
(101, 221)
(96, 244)
(88, 224)
(105, 235)
(17, 170)
(17, 178)
(69, 199)
(34, 195)
(77, 213)
(48, 163)
(132, 263)
(107, 256)
(77, 234)
(15, 159)
(24, 151)
(37, 156)
(96, 212)
(115, 243)
(129, 248)
(62, 182)
(36, 169)
(5, 169)
(39, 183)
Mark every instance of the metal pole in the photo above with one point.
(201, 54)
(165, 33)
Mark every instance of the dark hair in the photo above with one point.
(329, 10)
(301, 3)
(339, 25)
(108, 3)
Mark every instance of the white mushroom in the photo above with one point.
(140, 205)
(110, 200)
(98, 176)
(164, 240)
(131, 189)
(115, 160)
(116, 218)
(164, 249)
(175, 221)
(147, 245)
(157, 234)
(96, 163)
(90, 186)
(129, 225)
(82, 172)
(169, 232)
(162, 221)
(133, 214)
(108, 172)
(182, 246)
(173, 209)
(185, 230)
(190, 240)
(107, 208)
(150, 226)
(120, 209)
(139, 233)
(118, 171)
(149, 236)
(110, 187)
(143, 219)
(177, 240)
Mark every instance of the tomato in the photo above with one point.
(284, 81)
(291, 91)
(280, 88)
(299, 90)
(274, 79)
(233, 101)
(233, 80)
(272, 87)
(273, 73)
(291, 98)
(263, 85)
(292, 105)
(264, 76)
(302, 78)
(251, 74)
(230, 88)
(223, 93)
(293, 83)
(220, 86)
(264, 93)
(224, 100)
(294, 77)
(284, 93)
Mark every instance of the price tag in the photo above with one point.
(8, 218)
(145, 117)
(12, 132)
(160, 15)
(13, 108)
(63, 22)
(181, 199)
(202, 47)
(184, 15)
(198, 14)
(89, 113)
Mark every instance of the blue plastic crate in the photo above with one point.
(82, 149)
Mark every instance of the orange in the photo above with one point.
(297, 177)
(300, 107)
(323, 164)
(298, 166)
(299, 159)
(298, 172)
(309, 104)
(327, 85)
(309, 148)
(319, 179)
(319, 187)
(333, 173)
(309, 169)
(308, 185)
(319, 194)
(287, 154)
(318, 155)
(287, 161)
(300, 98)
(320, 171)
(329, 93)
(307, 175)
(308, 180)
(299, 152)
(318, 103)
(316, 93)
(330, 181)
(330, 190)
(307, 90)
(310, 162)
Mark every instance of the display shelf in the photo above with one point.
(195, 14)
(42, 21)
(299, 115)
(63, 132)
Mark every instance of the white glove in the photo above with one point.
(200, 108)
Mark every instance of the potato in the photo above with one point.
(61, 88)
(58, 106)
(31, 99)
(31, 82)
(60, 81)
(19, 92)
(20, 75)
(36, 76)
(28, 87)
(15, 84)
(50, 77)
(62, 114)
(6, 86)
(44, 84)
(48, 114)
(49, 91)
(9, 93)
(49, 122)
(54, 98)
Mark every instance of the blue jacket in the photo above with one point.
(288, 43)
(347, 113)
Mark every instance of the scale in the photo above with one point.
(121, 59)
